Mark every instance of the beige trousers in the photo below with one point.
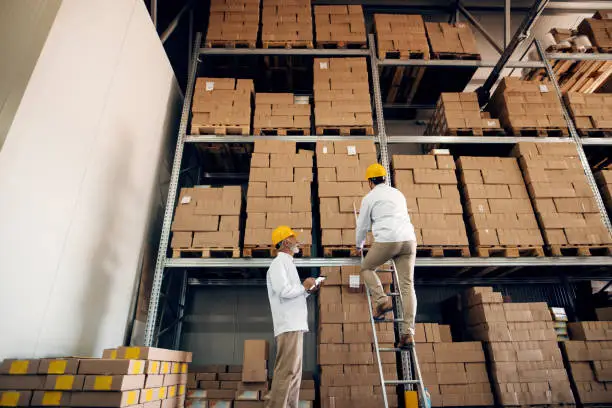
(285, 390)
(404, 256)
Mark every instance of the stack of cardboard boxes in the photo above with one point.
(455, 111)
(286, 23)
(454, 374)
(590, 361)
(527, 104)
(590, 111)
(604, 181)
(222, 105)
(342, 94)
(213, 383)
(525, 361)
(278, 193)
(445, 38)
(401, 36)
(340, 26)
(349, 370)
(498, 208)
(281, 112)
(126, 376)
(233, 23)
(207, 217)
(599, 30)
(341, 170)
(429, 184)
(562, 197)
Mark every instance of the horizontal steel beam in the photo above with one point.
(251, 139)
(579, 56)
(475, 139)
(477, 5)
(285, 51)
(596, 141)
(458, 63)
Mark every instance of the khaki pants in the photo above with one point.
(404, 256)
(285, 390)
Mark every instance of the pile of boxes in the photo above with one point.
(561, 195)
(599, 30)
(349, 370)
(125, 376)
(400, 35)
(207, 217)
(233, 23)
(286, 23)
(525, 361)
(281, 111)
(590, 111)
(220, 102)
(454, 374)
(342, 93)
(497, 203)
(445, 38)
(339, 25)
(279, 193)
(604, 181)
(590, 361)
(341, 170)
(429, 184)
(527, 104)
(459, 111)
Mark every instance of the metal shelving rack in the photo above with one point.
(168, 265)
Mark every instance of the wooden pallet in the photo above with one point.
(230, 44)
(270, 252)
(465, 131)
(206, 252)
(402, 54)
(454, 56)
(333, 45)
(509, 252)
(288, 44)
(540, 132)
(345, 130)
(595, 132)
(446, 251)
(220, 130)
(269, 131)
(580, 250)
(341, 251)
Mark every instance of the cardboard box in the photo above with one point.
(255, 361)
(111, 367)
(22, 382)
(113, 382)
(19, 367)
(16, 398)
(104, 399)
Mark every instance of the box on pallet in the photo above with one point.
(233, 23)
(459, 111)
(286, 22)
(400, 35)
(340, 25)
(280, 111)
(447, 38)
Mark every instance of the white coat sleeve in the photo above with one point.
(363, 222)
(281, 285)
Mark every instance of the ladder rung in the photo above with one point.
(395, 349)
(393, 294)
(389, 321)
(384, 270)
(400, 382)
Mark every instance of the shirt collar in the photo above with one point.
(284, 254)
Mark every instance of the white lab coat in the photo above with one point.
(287, 296)
(384, 209)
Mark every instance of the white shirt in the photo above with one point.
(287, 296)
(384, 209)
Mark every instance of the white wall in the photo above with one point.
(78, 173)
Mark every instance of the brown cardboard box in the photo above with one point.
(64, 382)
(50, 398)
(22, 382)
(113, 382)
(58, 366)
(255, 361)
(104, 399)
(16, 398)
(111, 367)
(19, 367)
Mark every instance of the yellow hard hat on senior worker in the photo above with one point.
(281, 233)
(375, 170)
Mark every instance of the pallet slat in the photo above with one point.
(345, 130)
(270, 252)
(220, 130)
(269, 131)
(206, 253)
(580, 250)
(288, 44)
(443, 251)
(509, 252)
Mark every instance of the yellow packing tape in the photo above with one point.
(149, 395)
(113, 354)
(131, 398)
(155, 367)
(183, 368)
(19, 367)
(182, 389)
(103, 382)
(9, 398)
(165, 367)
(132, 353)
(162, 392)
(64, 382)
(52, 398)
(172, 391)
(57, 367)
(137, 368)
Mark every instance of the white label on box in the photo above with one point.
(354, 282)
(491, 123)
(351, 150)
(324, 149)
(186, 200)
(543, 88)
(323, 65)
(210, 85)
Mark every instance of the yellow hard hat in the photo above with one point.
(375, 170)
(282, 232)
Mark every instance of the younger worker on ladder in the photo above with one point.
(384, 209)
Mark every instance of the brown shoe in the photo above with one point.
(406, 341)
(382, 309)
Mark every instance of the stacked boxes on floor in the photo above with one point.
(561, 195)
(590, 111)
(151, 377)
(254, 383)
(497, 203)
(399, 35)
(278, 192)
(525, 361)
(590, 361)
(599, 30)
(233, 23)
(220, 103)
(604, 181)
(429, 184)
(526, 104)
(454, 373)
(339, 25)
(459, 111)
(349, 370)
(445, 38)
(341, 93)
(281, 111)
(286, 23)
(341, 170)
(214, 384)
(207, 217)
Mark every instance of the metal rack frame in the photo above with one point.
(165, 264)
